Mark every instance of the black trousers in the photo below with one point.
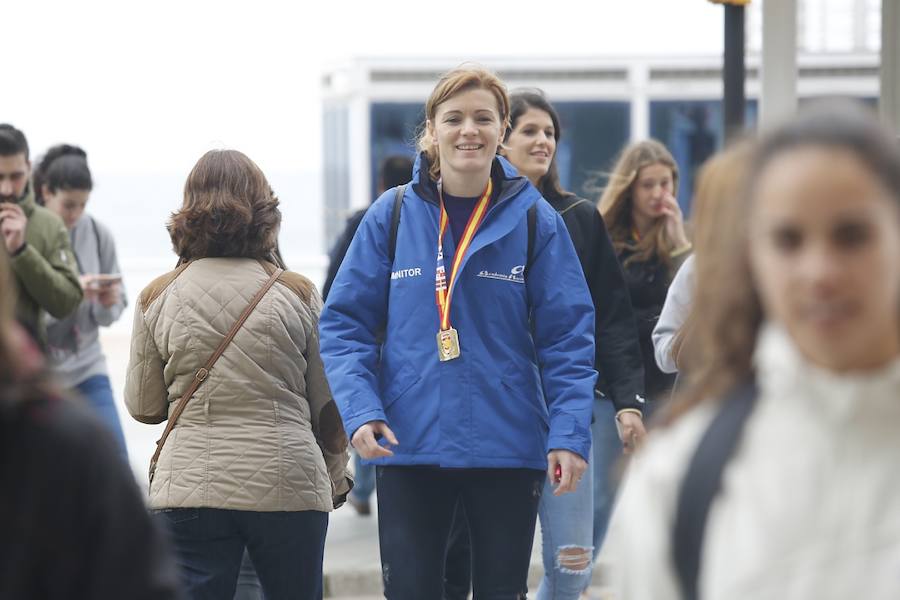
(416, 507)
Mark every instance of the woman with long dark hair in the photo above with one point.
(63, 183)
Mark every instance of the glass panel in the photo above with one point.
(592, 135)
(692, 130)
(393, 129)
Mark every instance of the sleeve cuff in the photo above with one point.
(352, 424)
(629, 410)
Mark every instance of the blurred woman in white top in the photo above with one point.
(806, 301)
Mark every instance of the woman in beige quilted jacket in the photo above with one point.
(258, 457)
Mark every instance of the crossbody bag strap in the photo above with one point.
(203, 372)
(702, 482)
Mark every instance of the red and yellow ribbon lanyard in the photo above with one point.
(447, 337)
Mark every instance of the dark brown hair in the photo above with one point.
(520, 101)
(229, 210)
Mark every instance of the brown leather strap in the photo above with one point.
(203, 372)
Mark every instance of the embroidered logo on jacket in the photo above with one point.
(404, 273)
(515, 275)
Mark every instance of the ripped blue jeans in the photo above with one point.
(566, 540)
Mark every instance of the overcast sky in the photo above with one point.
(148, 87)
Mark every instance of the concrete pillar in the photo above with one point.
(889, 98)
(640, 102)
(778, 90)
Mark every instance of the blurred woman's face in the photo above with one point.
(531, 144)
(68, 204)
(467, 130)
(825, 255)
(652, 184)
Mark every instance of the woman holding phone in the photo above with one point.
(484, 383)
(63, 183)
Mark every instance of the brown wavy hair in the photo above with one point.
(229, 209)
(461, 79)
(723, 339)
(616, 202)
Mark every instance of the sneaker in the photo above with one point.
(362, 507)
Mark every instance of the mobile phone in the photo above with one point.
(105, 280)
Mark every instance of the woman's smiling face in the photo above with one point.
(467, 129)
(532, 144)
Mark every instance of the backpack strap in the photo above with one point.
(203, 372)
(702, 482)
(395, 221)
(532, 228)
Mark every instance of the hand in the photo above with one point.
(110, 295)
(365, 443)
(571, 468)
(631, 431)
(674, 221)
(12, 225)
(88, 287)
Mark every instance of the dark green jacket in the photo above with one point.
(45, 271)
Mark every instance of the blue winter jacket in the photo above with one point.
(523, 385)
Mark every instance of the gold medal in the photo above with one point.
(447, 337)
(448, 344)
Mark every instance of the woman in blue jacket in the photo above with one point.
(485, 379)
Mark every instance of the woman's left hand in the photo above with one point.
(631, 431)
(571, 468)
(674, 221)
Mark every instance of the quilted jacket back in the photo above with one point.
(262, 433)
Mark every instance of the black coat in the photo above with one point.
(72, 519)
(339, 250)
(648, 284)
(618, 353)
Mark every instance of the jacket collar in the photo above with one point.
(514, 192)
(785, 375)
(507, 182)
(27, 200)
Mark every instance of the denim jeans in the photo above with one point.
(416, 507)
(606, 450)
(566, 538)
(97, 390)
(363, 479)
(286, 548)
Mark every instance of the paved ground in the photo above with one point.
(352, 564)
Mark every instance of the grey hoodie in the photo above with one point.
(73, 343)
